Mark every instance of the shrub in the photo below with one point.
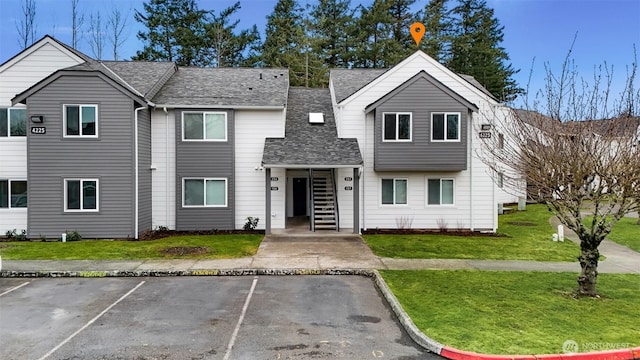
(73, 236)
(251, 223)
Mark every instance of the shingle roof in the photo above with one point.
(144, 76)
(237, 87)
(347, 82)
(311, 145)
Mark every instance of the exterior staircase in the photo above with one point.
(324, 203)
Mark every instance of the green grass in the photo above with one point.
(518, 312)
(526, 235)
(219, 247)
(626, 232)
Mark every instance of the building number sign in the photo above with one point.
(38, 130)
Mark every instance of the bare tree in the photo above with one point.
(96, 35)
(116, 25)
(27, 26)
(578, 150)
(77, 21)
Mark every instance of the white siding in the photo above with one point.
(17, 75)
(252, 127)
(163, 178)
(345, 197)
(475, 206)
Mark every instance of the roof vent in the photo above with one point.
(316, 118)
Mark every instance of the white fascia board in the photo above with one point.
(211, 106)
(304, 166)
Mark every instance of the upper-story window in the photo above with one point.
(396, 127)
(445, 126)
(13, 194)
(207, 126)
(80, 120)
(13, 122)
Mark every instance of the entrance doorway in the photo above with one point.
(299, 196)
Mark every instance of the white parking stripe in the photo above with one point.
(244, 311)
(15, 288)
(90, 322)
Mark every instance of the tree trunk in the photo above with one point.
(589, 274)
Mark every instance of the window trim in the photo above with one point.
(80, 135)
(204, 125)
(445, 114)
(395, 179)
(397, 114)
(9, 193)
(81, 210)
(453, 195)
(8, 124)
(205, 179)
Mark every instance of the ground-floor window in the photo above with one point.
(394, 191)
(81, 195)
(13, 194)
(440, 191)
(204, 192)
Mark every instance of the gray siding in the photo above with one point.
(108, 158)
(144, 170)
(421, 98)
(205, 159)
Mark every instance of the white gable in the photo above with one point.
(408, 68)
(32, 65)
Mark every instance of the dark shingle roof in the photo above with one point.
(311, 144)
(347, 82)
(144, 76)
(235, 87)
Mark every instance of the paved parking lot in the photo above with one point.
(261, 317)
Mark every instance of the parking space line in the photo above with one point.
(244, 311)
(90, 322)
(16, 288)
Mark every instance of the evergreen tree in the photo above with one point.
(329, 26)
(174, 31)
(438, 28)
(476, 51)
(402, 44)
(372, 35)
(287, 45)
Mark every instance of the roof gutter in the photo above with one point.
(308, 166)
(216, 106)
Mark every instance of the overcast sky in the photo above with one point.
(542, 30)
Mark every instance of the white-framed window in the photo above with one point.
(204, 126)
(501, 141)
(80, 120)
(81, 195)
(396, 127)
(204, 192)
(445, 126)
(13, 122)
(440, 192)
(500, 180)
(13, 194)
(393, 191)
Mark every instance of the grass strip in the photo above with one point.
(519, 312)
(526, 235)
(174, 247)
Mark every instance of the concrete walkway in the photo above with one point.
(331, 251)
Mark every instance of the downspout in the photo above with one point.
(137, 166)
(471, 134)
(166, 166)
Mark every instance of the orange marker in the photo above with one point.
(417, 32)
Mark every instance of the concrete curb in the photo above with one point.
(404, 319)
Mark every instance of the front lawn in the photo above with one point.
(174, 247)
(626, 232)
(518, 312)
(525, 235)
